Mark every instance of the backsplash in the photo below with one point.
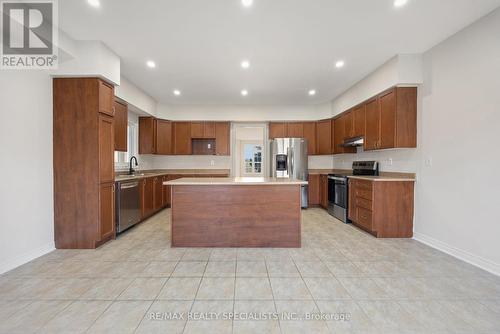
(396, 160)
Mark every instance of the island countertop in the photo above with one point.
(228, 181)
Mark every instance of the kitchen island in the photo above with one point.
(235, 212)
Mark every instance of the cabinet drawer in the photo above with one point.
(364, 203)
(365, 218)
(363, 193)
(365, 185)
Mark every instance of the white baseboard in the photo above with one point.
(26, 257)
(475, 260)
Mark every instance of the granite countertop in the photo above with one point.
(159, 172)
(219, 181)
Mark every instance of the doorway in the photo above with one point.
(250, 150)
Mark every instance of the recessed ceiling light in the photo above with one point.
(94, 3)
(177, 92)
(151, 64)
(339, 64)
(312, 92)
(245, 64)
(247, 3)
(400, 3)
(244, 92)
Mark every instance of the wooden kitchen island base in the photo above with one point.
(225, 214)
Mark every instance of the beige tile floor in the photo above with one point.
(382, 286)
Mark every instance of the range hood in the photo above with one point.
(353, 142)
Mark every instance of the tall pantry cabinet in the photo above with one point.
(83, 140)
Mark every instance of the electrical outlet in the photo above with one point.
(390, 162)
(428, 162)
(212, 163)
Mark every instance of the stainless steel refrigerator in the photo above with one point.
(289, 160)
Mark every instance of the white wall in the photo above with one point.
(244, 113)
(400, 70)
(136, 98)
(457, 197)
(26, 202)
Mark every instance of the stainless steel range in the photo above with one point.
(338, 188)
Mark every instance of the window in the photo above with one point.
(122, 158)
(252, 158)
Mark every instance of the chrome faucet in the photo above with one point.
(131, 170)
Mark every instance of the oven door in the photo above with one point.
(337, 191)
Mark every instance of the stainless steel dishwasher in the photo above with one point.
(128, 205)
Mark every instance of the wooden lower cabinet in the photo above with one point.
(147, 197)
(157, 193)
(382, 208)
(106, 212)
(323, 185)
(314, 190)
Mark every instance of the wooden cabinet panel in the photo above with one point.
(348, 119)
(182, 138)
(166, 192)
(295, 130)
(387, 120)
(147, 135)
(157, 193)
(372, 128)
(314, 190)
(197, 130)
(309, 129)
(106, 98)
(338, 135)
(352, 212)
(323, 137)
(147, 197)
(106, 149)
(106, 211)
(358, 114)
(209, 130)
(121, 126)
(406, 120)
(222, 138)
(83, 149)
(364, 218)
(324, 191)
(163, 137)
(277, 130)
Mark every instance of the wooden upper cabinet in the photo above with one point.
(309, 129)
(387, 120)
(348, 120)
(121, 124)
(182, 138)
(147, 135)
(197, 130)
(358, 121)
(277, 130)
(391, 119)
(222, 138)
(406, 117)
(106, 211)
(106, 98)
(295, 130)
(339, 128)
(209, 130)
(163, 137)
(106, 149)
(324, 137)
(372, 128)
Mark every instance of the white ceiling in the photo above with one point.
(292, 44)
